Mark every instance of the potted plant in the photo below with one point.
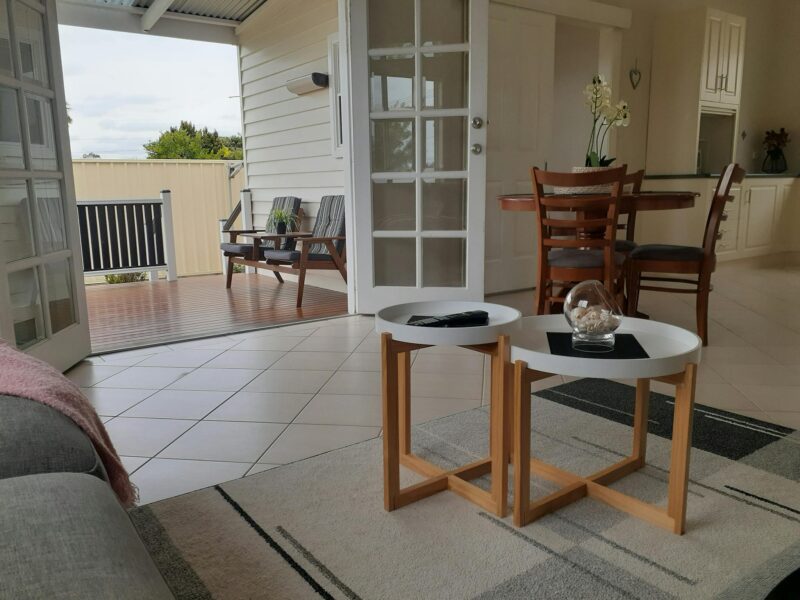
(605, 115)
(281, 220)
(774, 143)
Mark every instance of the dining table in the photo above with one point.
(629, 202)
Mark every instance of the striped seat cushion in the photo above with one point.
(330, 223)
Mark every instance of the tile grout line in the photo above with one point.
(292, 422)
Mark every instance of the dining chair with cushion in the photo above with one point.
(699, 261)
(631, 184)
(233, 248)
(572, 250)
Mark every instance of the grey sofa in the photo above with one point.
(62, 532)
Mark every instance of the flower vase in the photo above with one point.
(774, 161)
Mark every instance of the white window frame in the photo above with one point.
(335, 87)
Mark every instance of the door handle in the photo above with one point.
(476, 149)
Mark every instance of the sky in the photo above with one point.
(123, 88)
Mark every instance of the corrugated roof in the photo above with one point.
(233, 10)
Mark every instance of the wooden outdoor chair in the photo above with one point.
(574, 250)
(233, 248)
(684, 260)
(323, 248)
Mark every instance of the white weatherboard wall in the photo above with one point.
(287, 137)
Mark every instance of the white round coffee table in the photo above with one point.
(673, 355)
(398, 340)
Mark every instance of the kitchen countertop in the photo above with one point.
(715, 176)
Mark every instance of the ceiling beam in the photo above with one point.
(154, 13)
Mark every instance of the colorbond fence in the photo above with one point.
(202, 194)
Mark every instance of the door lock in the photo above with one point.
(477, 148)
(477, 122)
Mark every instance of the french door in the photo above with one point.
(41, 285)
(418, 110)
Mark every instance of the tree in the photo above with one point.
(187, 141)
(91, 155)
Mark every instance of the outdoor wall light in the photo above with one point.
(307, 83)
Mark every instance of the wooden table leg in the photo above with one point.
(681, 446)
(499, 424)
(404, 400)
(522, 443)
(391, 434)
(640, 417)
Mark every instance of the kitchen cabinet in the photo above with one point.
(723, 58)
(759, 208)
(760, 219)
(698, 59)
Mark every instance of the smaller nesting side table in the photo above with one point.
(673, 357)
(398, 340)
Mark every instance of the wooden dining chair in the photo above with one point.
(684, 260)
(632, 183)
(572, 250)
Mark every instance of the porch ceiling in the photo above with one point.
(205, 20)
(234, 10)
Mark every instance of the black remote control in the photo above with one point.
(471, 318)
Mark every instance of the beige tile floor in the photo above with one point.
(190, 415)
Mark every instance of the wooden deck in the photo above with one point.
(133, 315)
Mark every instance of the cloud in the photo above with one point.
(123, 89)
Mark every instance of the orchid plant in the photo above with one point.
(605, 115)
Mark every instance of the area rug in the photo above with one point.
(317, 528)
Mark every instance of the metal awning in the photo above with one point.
(206, 20)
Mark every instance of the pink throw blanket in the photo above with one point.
(27, 377)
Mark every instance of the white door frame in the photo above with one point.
(68, 346)
(366, 296)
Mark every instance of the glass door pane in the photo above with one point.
(58, 279)
(16, 233)
(428, 82)
(10, 136)
(6, 64)
(26, 307)
(42, 302)
(29, 27)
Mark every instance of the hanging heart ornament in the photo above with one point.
(635, 75)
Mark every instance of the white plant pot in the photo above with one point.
(591, 189)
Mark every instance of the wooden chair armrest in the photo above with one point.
(289, 234)
(316, 240)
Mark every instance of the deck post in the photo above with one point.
(246, 199)
(222, 239)
(169, 235)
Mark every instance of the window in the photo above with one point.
(26, 56)
(335, 88)
(5, 57)
(35, 122)
(9, 117)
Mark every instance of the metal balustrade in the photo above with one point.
(128, 236)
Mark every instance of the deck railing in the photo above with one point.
(128, 236)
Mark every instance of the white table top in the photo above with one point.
(670, 348)
(394, 320)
